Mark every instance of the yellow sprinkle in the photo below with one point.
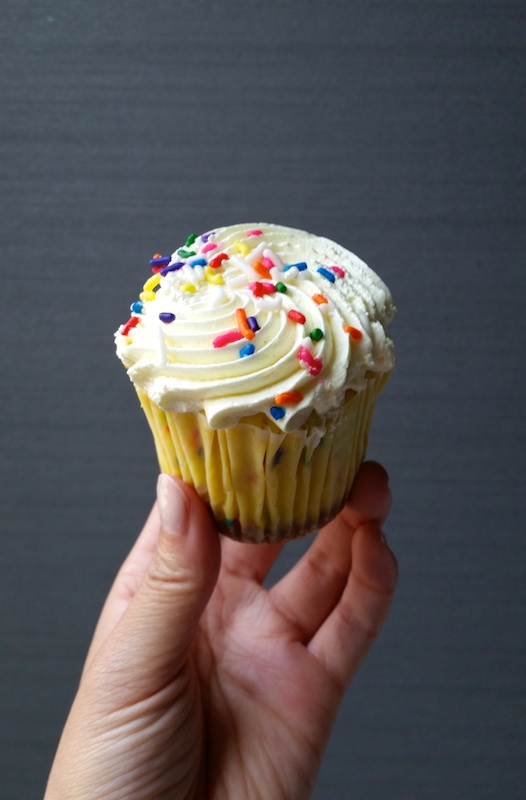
(151, 282)
(242, 248)
(189, 287)
(147, 296)
(213, 276)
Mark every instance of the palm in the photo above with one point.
(259, 681)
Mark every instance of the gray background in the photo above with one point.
(395, 128)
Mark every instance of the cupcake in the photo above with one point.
(257, 352)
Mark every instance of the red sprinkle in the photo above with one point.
(216, 261)
(354, 332)
(132, 322)
(259, 288)
(296, 316)
(242, 323)
(285, 398)
(255, 232)
(158, 267)
(313, 364)
(339, 271)
(227, 338)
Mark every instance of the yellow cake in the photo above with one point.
(257, 352)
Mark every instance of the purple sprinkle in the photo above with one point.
(162, 261)
(172, 268)
(206, 236)
(253, 324)
(166, 316)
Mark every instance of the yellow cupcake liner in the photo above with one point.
(261, 484)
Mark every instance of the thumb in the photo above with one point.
(151, 642)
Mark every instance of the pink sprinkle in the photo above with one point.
(208, 247)
(267, 262)
(255, 232)
(227, 338)
(339, 271)
(313, 364)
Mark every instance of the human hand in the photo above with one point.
(201, 683)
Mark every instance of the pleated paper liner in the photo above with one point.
(263, 485)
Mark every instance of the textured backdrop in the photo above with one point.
(394, 127)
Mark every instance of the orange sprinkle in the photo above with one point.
(354, 332)
(242, 324)
(285, 398)
(319, 299)
(261, 270)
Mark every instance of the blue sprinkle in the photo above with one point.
(172, 268)
(253, 324)
(166, 316)
(301, 265)
(162, 261)
(278, 412)
(137, 307)
(199, 262)
(247, 350)
(327, 274)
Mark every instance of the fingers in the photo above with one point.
(151, 639)
(314, 586)
(343, 640)
(370, 497)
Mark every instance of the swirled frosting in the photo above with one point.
(257, 318)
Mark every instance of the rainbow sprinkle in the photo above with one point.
(166, 316)
(247, 350)
(296, 316)
(286, 398)
(227, 338)
(326, 274)
(242, 324)
(353, 332)
(312, 364)
(132, 322)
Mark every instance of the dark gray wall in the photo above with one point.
(393, 127)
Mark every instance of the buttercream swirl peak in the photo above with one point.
(257, 318)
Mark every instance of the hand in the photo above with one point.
(201, 683)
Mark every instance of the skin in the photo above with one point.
(200, 682)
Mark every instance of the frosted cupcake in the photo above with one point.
(257, 352)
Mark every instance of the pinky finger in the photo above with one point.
(347, 634)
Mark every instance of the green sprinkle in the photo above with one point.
(185, 253)
(191, 239)
(316, 334)
(281, 287)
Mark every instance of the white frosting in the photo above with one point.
(180, 369)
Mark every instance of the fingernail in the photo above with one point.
(173, 506)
